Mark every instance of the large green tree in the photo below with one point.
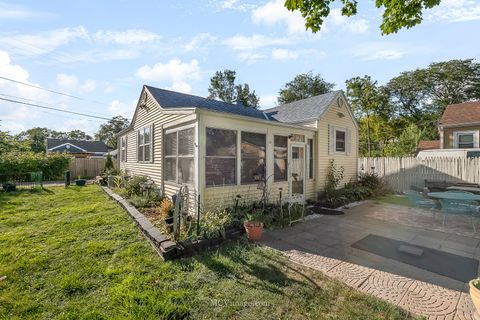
(396, 14)
(303, 86)
(368, 101)
(223, 87)
(108, 131)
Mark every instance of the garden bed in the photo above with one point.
(167, 247)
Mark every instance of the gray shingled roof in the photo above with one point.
(302, 110)
(88, 145)
(170, 100)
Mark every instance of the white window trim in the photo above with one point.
(475, 134)
(332, 143)
(145, 144)
(194, 155)
(123, 148)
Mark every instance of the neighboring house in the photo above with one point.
(78, 148)
(459, 129)
(221, 150)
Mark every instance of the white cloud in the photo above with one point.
(274, 12)
(128, 37)
(256, 41)
(44, 42)
(71, 83)
(387, 50)
(124, 109)
(16, 12)
(236, 5)
(284, 54)
(198, 41)
(350, 24)
(175, 72)
(455, 11)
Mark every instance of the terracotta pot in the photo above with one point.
(475, 295)
(254, 229)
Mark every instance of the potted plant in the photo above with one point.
(475, 293)
(9, 186)
(80, 182)
(253, 227)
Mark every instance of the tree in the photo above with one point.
(223, 87)
(8, 143)
(78, 135)
(303, 86)
(367, 99)
(396, 14)
(407, 142)
(108, 131)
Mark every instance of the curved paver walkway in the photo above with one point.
(417, 297)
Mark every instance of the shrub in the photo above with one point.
(108, 163)
(166, 208)
(370, 180)
(52, 165)
(140, 201)
(134, 185)
(334, 176)
(214, 222)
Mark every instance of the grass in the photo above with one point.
(394, 199)
(74, 254)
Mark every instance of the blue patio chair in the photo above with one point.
(417, 200)
(468, 208)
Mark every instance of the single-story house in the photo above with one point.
(78, 148)
(221, 150)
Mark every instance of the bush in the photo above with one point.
(134, 185)
(108, 164)
(334, 176)
(52, 165)
(214, 222)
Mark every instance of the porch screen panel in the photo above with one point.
(253, 157)
(310, 158)
(221, 156)
(280, 149)
(186, 150)
(170, 148)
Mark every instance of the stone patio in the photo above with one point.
(325, 243)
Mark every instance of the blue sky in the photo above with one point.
(103, 51)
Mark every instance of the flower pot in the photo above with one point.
(254, 229)
(9, 187)
(80, 182)
(475, 295)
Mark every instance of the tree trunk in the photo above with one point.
(368, 137)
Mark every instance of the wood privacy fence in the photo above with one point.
(86, 167)
(401, 173)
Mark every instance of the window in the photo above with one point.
(339, 141)
(144, 144)
(464, 140)
(221, 157)
(280, 148)
(123, 149)
(253, 157)
(310, 158)
(179, 156)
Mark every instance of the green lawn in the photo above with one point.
(74, 254)
(395, 199)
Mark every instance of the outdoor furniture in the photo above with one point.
(458, 202)
(467, 189)
(417, 200)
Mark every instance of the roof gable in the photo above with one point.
(83, 145)
(461, 113)
(302, 110)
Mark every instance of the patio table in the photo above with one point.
(467, 189)
(460, 196)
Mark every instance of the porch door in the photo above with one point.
(296, 173)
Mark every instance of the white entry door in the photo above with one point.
(296, 172)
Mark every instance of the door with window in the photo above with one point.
(296, 172)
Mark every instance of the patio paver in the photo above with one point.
(324, 244)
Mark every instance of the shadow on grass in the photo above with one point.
(265, 270)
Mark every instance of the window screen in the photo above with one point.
(280, 145)
(221, 157)
(253, 157)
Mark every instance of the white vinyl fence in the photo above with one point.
(401, 173)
